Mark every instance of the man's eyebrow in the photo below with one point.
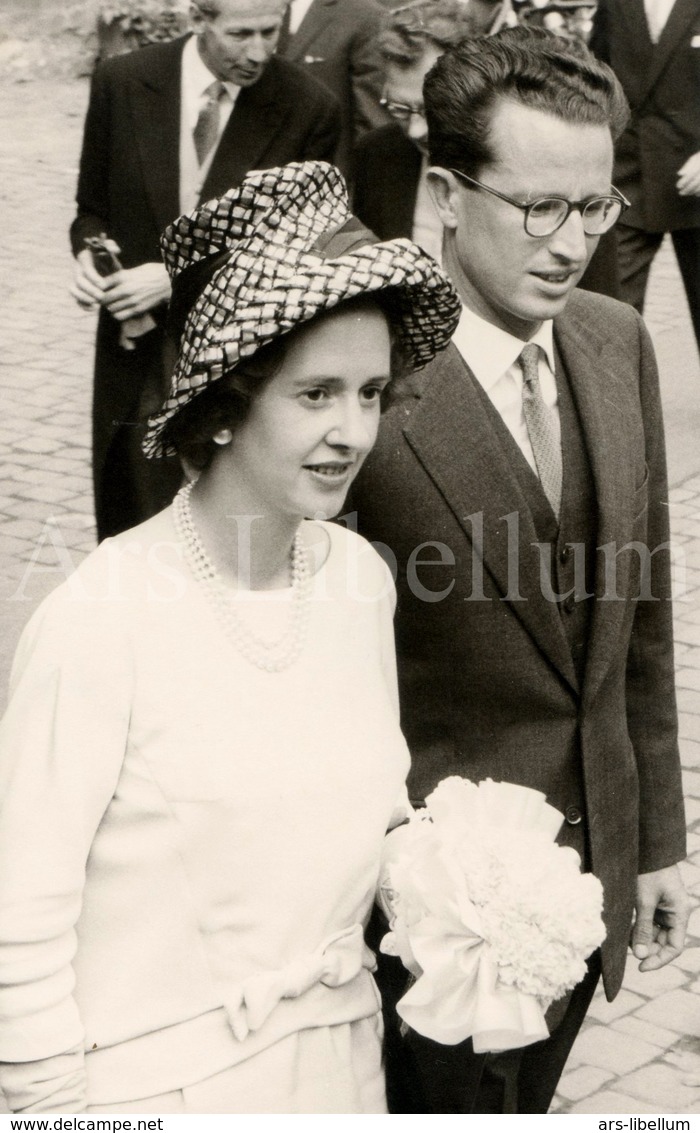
(244, 29)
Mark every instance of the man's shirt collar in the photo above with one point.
(490, 351)
(197, 76)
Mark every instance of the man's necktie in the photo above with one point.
(543, 428)
(206, 132)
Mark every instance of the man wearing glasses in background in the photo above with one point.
(521, 488)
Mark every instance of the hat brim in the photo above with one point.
(276, 278)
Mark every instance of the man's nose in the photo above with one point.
(570, 241)
(258, 50)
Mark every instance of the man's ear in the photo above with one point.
(443, 187)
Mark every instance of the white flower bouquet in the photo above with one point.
(491, 916)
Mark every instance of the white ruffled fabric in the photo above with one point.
(443, 882)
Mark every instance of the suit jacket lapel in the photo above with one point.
(254, 120)
(318, 16)
(632, 11)
(601, 404)
(682, 14)
(454, 440)
(155, 103)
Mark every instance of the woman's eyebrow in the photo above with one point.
(318, 379)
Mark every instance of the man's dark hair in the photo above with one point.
(526, 65)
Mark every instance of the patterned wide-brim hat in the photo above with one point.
(273, 253)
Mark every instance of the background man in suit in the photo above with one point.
(521, 489)
(168, 126)
(654, 48)
(336, 42)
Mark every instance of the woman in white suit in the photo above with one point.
(201, 755)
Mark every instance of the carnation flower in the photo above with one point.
(492, 916)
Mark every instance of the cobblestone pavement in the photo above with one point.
(640, 1054)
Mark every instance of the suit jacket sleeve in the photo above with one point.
(324, 132)
(93, 178)
(62, 742)
(651, 701)
(367, 78)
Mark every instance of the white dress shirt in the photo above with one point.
(492, 356)
(657, 13)
(195, 80)
(297, 11)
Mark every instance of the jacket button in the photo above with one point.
(573, 815)
(565, 554)
(569, 604)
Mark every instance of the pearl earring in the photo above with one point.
(223, 437)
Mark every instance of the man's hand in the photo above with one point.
(134, 291)
(688, 177)
(88, 285)
(662, 909)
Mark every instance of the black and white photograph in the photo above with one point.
(349, 560)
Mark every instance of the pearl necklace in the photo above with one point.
(273, 656)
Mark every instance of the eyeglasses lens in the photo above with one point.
(599, 215)
(401, 111)
(545, 216)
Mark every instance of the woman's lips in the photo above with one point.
(329, 474)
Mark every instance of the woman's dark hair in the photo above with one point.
(222, 405)
(225, 403)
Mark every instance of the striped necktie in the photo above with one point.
(206, 132)
(543, 428)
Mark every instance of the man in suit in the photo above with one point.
(336, 42)
(391, 163)
(519, 488)
(654, 48)
(168, 126)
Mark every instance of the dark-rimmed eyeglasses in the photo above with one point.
(402, 111)
(544, 216)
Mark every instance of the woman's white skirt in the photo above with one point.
(318, 1070)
